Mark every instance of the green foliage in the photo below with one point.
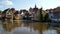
(46, 18)
(41, 14)
(0, 11)
(38, 15)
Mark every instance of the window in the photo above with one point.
(56, 15)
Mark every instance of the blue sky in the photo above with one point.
(26, 4)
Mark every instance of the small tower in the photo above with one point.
(35, 6)
(35, 9)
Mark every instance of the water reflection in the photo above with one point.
(19, 27)
(7, 25)
(50, 32)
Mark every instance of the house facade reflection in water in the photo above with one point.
(19, 27)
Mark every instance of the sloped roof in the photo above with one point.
(5, 11)
(55, 10)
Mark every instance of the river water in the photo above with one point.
(19, 27)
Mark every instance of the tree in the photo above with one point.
(46, 17)
(41, 16)
(0, 11)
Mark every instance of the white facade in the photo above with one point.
(54, 16)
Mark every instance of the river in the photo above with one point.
(19, 27)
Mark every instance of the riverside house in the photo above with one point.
(54, 14)
(17, 15)
(8, 13)
(25, 15)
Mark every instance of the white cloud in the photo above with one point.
(6, 2)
